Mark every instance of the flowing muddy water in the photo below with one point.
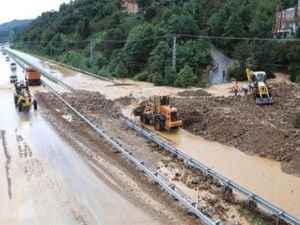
(260, 176)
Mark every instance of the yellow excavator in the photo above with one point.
(160, 113)
(259, 87)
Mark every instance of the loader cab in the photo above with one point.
(259, 76)
(160, 101)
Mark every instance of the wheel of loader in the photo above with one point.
(147, 121)
(15, 100)
(20, 107)
(158, 125)
(34, 104)
(142, 118)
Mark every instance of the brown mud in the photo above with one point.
(266, 131)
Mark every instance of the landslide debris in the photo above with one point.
(267, 131)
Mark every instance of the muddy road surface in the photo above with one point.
(46, 180)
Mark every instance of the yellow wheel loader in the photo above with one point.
(22, 97)
(259, 87)
(160, 113)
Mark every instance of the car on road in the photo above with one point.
(13, 78)
(13, 66)
(7, 58)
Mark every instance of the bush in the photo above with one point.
(143, 76)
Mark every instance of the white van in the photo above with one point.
(13, 66)
(13, 78)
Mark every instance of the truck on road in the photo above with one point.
(32, 76)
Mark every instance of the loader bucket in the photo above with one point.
(138, 111)
(264, 101)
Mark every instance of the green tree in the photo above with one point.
(159, 60)
(196, 54)
(84, 28)
(185, 77)
(298, 32)
(141, 41)
(185, 25)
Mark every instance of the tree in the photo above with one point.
(84, 29)
(141, 41)
(143, 3)
(298, 32)
(159, 60)
(185, 25)
(196, 54)
(185, 77)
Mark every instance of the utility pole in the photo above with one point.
(174, 54)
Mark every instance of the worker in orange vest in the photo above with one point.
(236, 88)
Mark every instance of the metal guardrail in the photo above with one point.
(170, 188)
(251, 197)
(223, 180)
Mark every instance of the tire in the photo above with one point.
(20, 107)
(158, 125)
(34, 104)
(15, 100)
(142, 118)
(147, 121)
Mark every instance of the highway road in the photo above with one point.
(43, 180)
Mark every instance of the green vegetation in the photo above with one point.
(98, 36)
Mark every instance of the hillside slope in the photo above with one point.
(9, 30)
(99, 36)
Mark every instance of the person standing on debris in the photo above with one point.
(236, 88)
(224, 74)
(245, 88)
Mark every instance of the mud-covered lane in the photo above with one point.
(43, 180)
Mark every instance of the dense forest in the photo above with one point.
(99, 36)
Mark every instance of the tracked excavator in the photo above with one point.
(259, 87)
(160, 113)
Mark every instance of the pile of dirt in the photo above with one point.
(267, 131)
(91, 102)
(124, 101)
(196, 93)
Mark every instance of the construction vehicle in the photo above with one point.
(259, 87)
(22, 97)
(32, 76)
(160, 113)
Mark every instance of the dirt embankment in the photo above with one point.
(267, 131)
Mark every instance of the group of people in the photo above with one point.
(245, 88)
